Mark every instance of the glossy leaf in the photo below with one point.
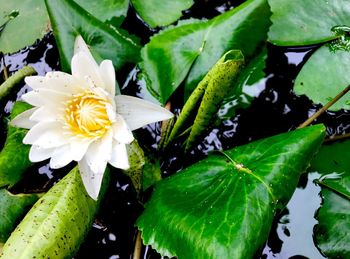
(300, 22)
(223, 206)
(105, 9)
(160, 13)
(12, 208)
(25, 22)
(190, 49)
(332, 232)
(68, 20)
(57, 224)
(325, 75)
(14, 157)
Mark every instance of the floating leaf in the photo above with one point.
(105, 9)
(26, 21)
(193, 47)
(57, 224)
(14, 157)
(325, 75)
(332, 232)
(12, 208)
(160, 13)
(223, 206)
(300, 22)
(69, 19)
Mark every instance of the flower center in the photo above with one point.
(86, 115)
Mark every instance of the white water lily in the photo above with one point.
(78, 117)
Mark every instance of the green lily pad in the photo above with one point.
(300, 22)
(12, 208)
(325, 75)
(105, 9)
(190, 49)
(57, 224)
(223, 206)
(160, 13)
(68, 20)
(14, 157)
(26, 21)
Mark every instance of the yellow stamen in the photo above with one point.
(86, 115)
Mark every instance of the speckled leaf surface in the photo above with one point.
(325, 75)
(301, 22)
(12, 208)
(14, 157)
(332, 234)
(160, 13)
(223, 206)
(190, 49)
(68, 20)
(29, 23)
(57, 224)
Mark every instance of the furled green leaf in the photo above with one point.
(57, 224)
(160, 13)
(105, 9)
(14, 157)
(301, 22)
(26, 21)
(325, 75)
(193, 47)
(68, 20)
(223, 206)
(12, 208)
(332, 232)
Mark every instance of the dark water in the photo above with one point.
(274, 110)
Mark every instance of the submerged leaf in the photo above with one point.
(57, 224)
(325, 75)
(301, 22)
(192, 48)
(23, 22)
(223, 206)
(160, 13)
(14, 157)
(12, 208)
(69, 19)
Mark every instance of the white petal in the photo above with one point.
(121, 131)
(81, 46)
(86, 69)
(56, 80)
(46, 113)
(92, 180)
(46, 135)
(138, 112)
(41, 97)
(119, 157)
(37, 154)
(108, 76)
(79, 148)
(22, 120)
(61, 157)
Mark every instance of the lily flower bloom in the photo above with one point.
(78, 117)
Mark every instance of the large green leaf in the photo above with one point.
(12, 208)
(301, 22)
(14, 157)
(223, 206)
(68, 20)
(57, 224)
(332, 232)
(193, 47)
(325, 75)
(26, 21)
(160, 13)
(105, 9)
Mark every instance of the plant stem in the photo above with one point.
(138, 246)
(13, 80)
(6, 76)
(324, 108)
(337, 137)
